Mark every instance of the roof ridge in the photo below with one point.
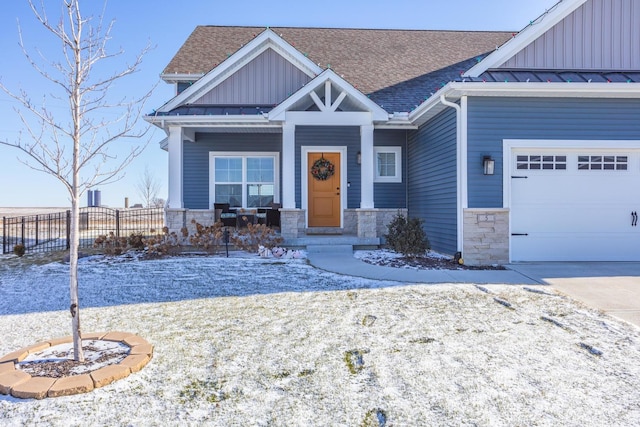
(259, 27)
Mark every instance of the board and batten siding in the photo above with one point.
(492, 120)
(391, 195)
(432, 178)
(266, 80)
(599, 35)
(195, 185)
(332, 136)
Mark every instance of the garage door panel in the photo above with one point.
(574, 247)
(576, 218)
(580, 212)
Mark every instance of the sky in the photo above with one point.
(166, 25)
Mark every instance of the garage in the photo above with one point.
(577, 203)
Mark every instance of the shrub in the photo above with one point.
(160, 244)
(207, 238)
(112, 244)
(19, 249)
(255, 235)
(136, 241)
(406, 236)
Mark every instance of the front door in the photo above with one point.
(324, 189)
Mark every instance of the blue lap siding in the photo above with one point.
(196, 160)
(391, 195)
(492, 120)
(432, 180)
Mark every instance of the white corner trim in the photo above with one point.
(265, 40)
(525, 37)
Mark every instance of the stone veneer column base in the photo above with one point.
(176, 219)
(486, 236)
(367, 223)
(292, 223)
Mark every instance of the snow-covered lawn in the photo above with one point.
(249, 341)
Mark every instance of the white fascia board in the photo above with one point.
(549, 90)
(265, 40)
(378, 114)
(345, 118)
(417, 116)
(456, 90)
(177, 77)
(525, 37)
(204, 121)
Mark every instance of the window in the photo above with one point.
(387, 163)
(247, 180)
(543, 162)
(610, 163)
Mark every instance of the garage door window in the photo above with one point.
(541, 162)
(610, 163)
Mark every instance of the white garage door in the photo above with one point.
(575, 205)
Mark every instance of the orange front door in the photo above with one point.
(324, 194)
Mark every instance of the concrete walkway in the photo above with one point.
(613, 287)
(344, 262)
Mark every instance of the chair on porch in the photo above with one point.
(223, 214)
(273, 215)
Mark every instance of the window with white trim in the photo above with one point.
(388, 164)
(244, 180)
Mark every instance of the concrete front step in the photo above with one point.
(342, 249)
(353, 241)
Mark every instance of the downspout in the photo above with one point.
(461, 147)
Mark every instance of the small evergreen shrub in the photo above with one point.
(19, 249)
(406, 236)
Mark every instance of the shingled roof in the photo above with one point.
(397, 68)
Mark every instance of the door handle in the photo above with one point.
(634, 218)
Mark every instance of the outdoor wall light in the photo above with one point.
(359, 158)
(488, 165)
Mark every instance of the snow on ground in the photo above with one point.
(249, 341)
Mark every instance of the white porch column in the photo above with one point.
(175, 167)
(288, 166)
(367, 166)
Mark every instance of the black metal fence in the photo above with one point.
(51, 232)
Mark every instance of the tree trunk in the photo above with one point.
(78, 354)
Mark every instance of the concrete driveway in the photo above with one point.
(613, 287)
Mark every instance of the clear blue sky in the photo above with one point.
(167, 24)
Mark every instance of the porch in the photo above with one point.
(362, 228)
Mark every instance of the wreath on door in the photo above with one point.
(322, 169)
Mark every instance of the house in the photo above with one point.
(511, 146)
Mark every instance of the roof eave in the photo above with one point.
(173, 78)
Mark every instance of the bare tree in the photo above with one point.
(73, 146)
(148, 187)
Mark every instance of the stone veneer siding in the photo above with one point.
(292, 223)
(178, 218)
(486, 236)
(364, 223)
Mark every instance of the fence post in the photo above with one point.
(117, 223)
(22, 232)
(68, 229)
(4, 235)
(36, 230)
